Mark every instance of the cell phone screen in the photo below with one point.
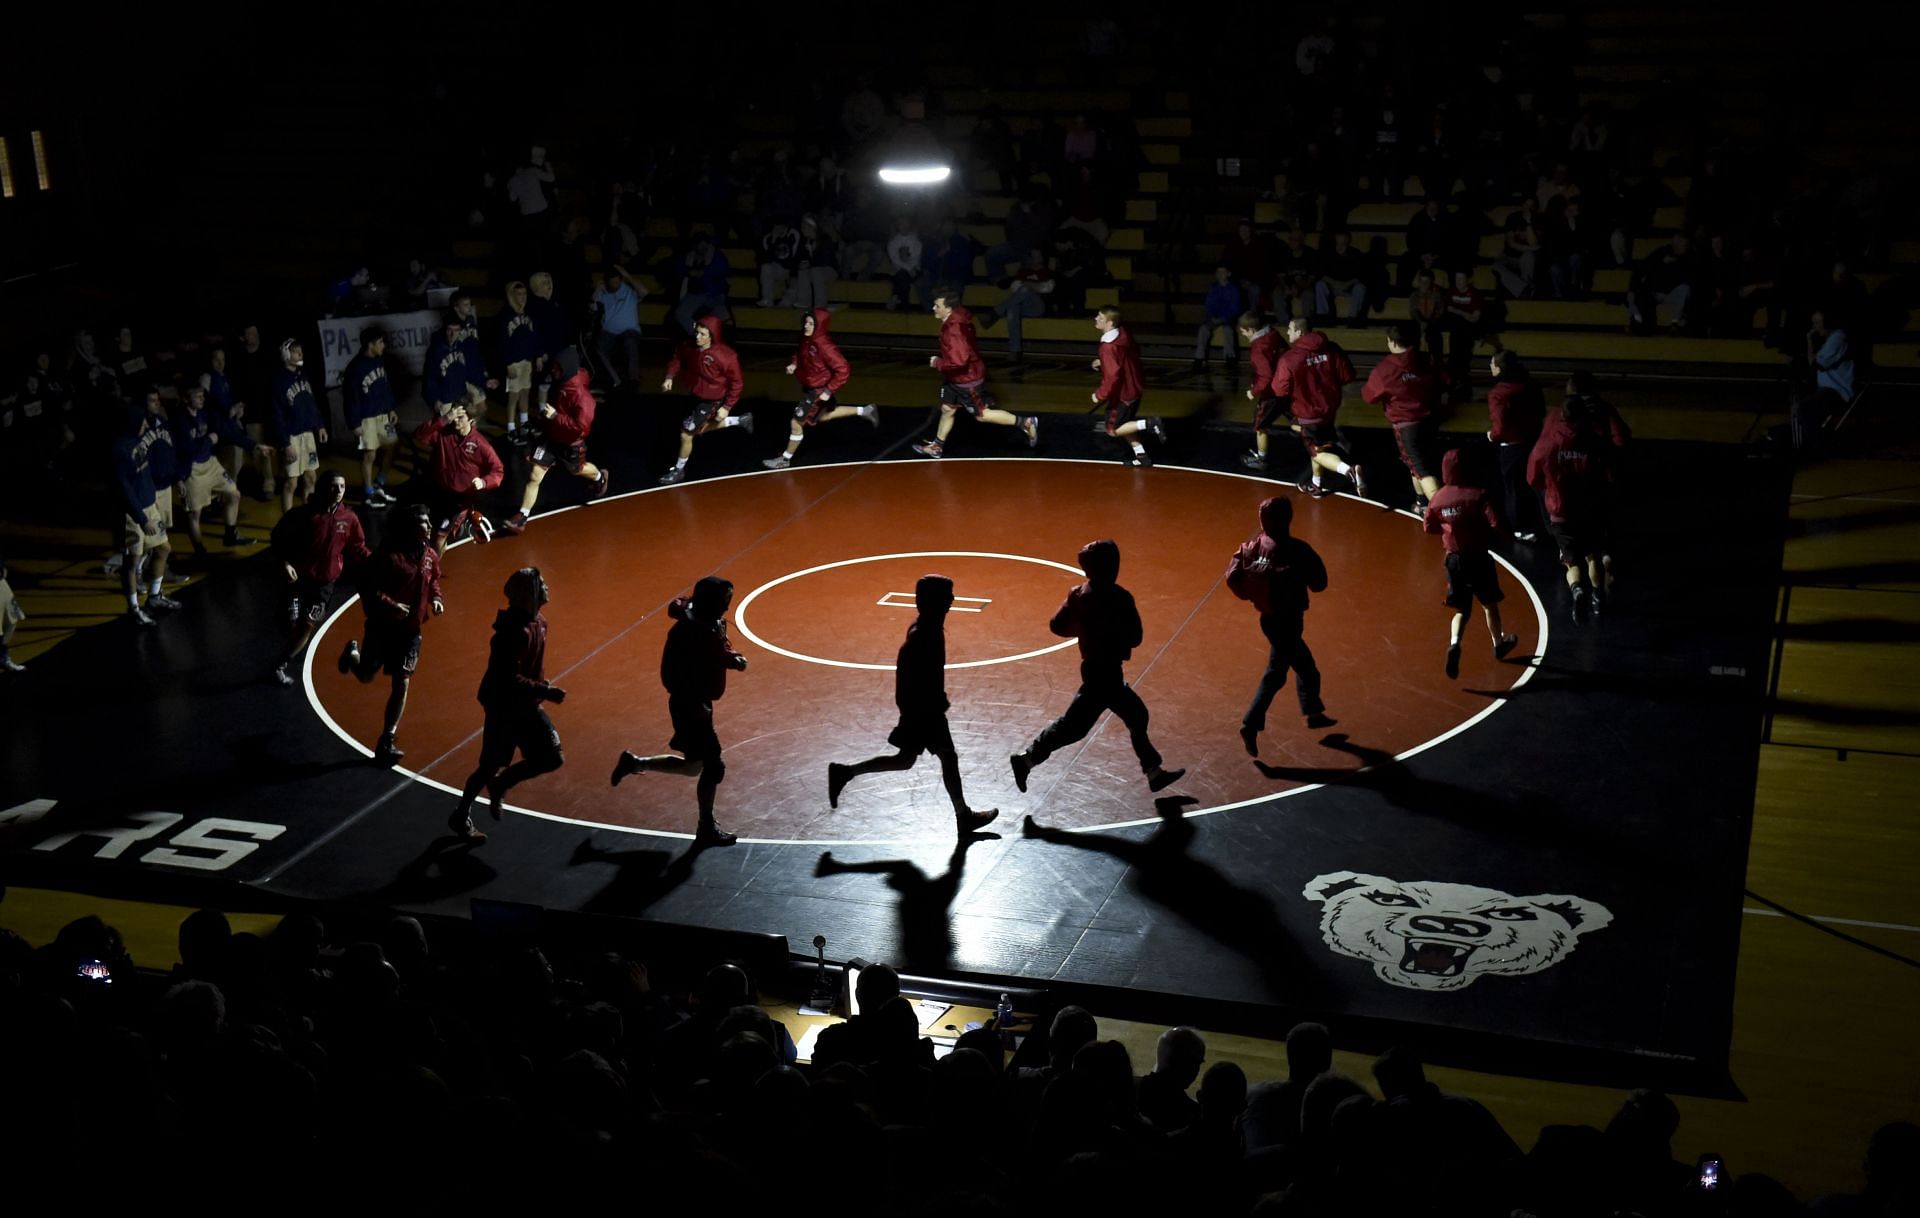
(95, 970)
(1709, 1171)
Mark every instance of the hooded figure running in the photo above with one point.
(1101, 614)
(714, 379)
(963, 380)
(1275, 571)
(920, 691)
(694, 667)
(822, 372)
(511, 691)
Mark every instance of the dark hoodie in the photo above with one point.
(516, 660)
(1100, 613)
(1571, 464)
(959, 362)
(920, 670)
(1464, 516)
(572, 402)
(1293, 568)
(817, 362)
(713, 375)
(1515, 412)
(697, 657)
(1407, 386)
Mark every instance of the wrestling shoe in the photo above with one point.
(1139, 460)
(780, 462)
(710, 834)
(1162, 778)
(157, 600)
(349, 657)
(232, 539)
(1253, 459)
(1310, 488)
(140, 616)
(1359, 481)
(1030, 426)
(871, 414)
(496, 800)
(600, 486)
(1582, 603)
(971, 822)
(746, 422)
(283, 677)
(514, 525)
(1505, 646)
(1021, 768)
(1453, 661)
(1158, 428)
(387, 753)
(1250, 737)
(1420, 504)
(1321, 719)
(676, 474)
(628, 764)
(9, 664)
(837, 776)
(464, 829)
(930, 448)
(482, 529)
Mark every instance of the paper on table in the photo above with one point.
(929, 1013)
(808, 1042)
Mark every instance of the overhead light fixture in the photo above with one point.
(918, 175)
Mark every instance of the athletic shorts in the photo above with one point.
(924, 733)
(376, 432)
(809, 408)
(206, 481)
(163, 504)
(1578, 540)
(1472, 577)
(526, 729)
(307, 600)
(973, 398)
(392, 647)
(1269, 412)
(476, 400)
(137, 541)
(572, 458)
(1321, 437)
(701, 415)
(9, 608)
(1415, 441)
(520, 376)
(1120, 413)
(306, 455)
(693, 734)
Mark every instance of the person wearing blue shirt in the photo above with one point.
(145, 520)
(522, 346)
(295, 425)
(473, 361)
(1830, 354)
(617, 301)
(443, 377)
(372, 414)
(703, 284)
(197, 431)
(1223, 311)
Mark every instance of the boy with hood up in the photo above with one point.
(1468, 522)
(715, 381)
(693, 668)
(511, 691)
(1102, 615)
(565, 423)
(920, 692)
(1572, 467)
(1274, 572)
(963, 376)
(822, 372)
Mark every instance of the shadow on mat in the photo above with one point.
(926, 930)
(448, 867)
(1164, 871)
(642, 877)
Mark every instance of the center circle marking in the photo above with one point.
(740, 610)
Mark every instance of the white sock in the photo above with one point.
(133, 600)
(733, 420)
(1316, 475)
(1139, 447)
(523, 420)
(1343, 469)
(153, 587)
(680, 464)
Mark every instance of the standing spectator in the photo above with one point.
(1666, 279)
(1249, 255)
(372, 414)
(1224, 305)
(197, 431)
(1516, 410)
(316, 542)
(1029, 225)
(863, 115)
(1556, 184)
(1386, 161)
(948, 261)
(1436, 159)
(296, 426)
(254, 369)
(779, 257)
(1082, 143)
(1466, 322)
(825, 194)
(817, 266)
(553, 323)
(1431, 243)
(521, 347)
(903, 261)
(1518, 262)
(1567, 241)
(144, 522)
(401, 586)
(1830, 355)
(1343, 272)
(703, 283)
(1298, 267)
(617, 336)
(1427, 309)
(526, 190)
(11, 615)
(1026, 297)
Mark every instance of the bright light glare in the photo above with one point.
(920, 176)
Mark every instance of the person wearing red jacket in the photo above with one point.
(920, 694)
(400, 591)
(1572, 466)
(315, 543)
(1102, 615)
(1407, 385)
(1121, 387)
(512, 691)
(693, 668)
(1515, 413)
(1312, 373)
(963, 380)
(464, 464)
(1468, 524)
(1275, 572)
(822, 372)
(1264, 346)
(566, 420)
(714, 379)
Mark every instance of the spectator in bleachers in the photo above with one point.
(46, 404)
(1028, 226)
(1466, 323)
(1296, 270)
(864, 235)
(1557, 183)
(1757, 289)
(1319, 181)
(1892, 1170)
(1431, 240)
(1665, 279)
(11, 615)
(1516, 267)
(1030, 284)
(778, 192)
(703, 283)
(1567, 242)
(1845, 301)
(1343, 272)
(1427, 309)
(1249, 255)
(863, 115)
(1223, 304)
(948, 260)
(1458, 1130)
(993, 144)
(521, 347)
(1086, 205)
(779, 257)
(825, 193)
(527, 192)
(420, 284)
(1387, 154)
(817, 262)
(1162, 1091)
(1830, 356)
(903, 262)
(1079, 263)
(1081, 144)
(1436, 159)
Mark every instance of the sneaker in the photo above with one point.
(1250, 738)
(233, 539)
(600, 487)
(1031, 427)
(837, 776)
(283, 677)
(140, 616)
(780, 462)
(1526, 537)
(1420, 504)
(746, 422)
(930, 448)
(677, 474)
(1253, 460)
(1582, 602)
(350, 657)
(1139, 460)
(1505, 646)
(1021, 768)
(1321, 719)
(1158, 429)
(628, 764)
(387, 753)
(966, 823)
(482, 530)
(161, 601)
(710, 834)
(9, 664)
(1453, 661)
(496, 801)
(464, 829)
(872, 415)
(514, 525)
(385, 497)
(1310, 488)
(1162, 778)
(1596, 599)
(1359, 482)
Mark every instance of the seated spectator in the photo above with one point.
(1892, 1169)
(948, 261)
(1567, 242)
(1208, 1153)
(1466, 324)
(11, 615)
(1557, 183)
(817, 266)
(1830, 356)
(1249, 255)
(1427, 309)
(1027, 291)
(703, 283)
(863, 242)
(1515, 268)
(779, 258)
(1758, 290)
(1431, 239)
(616, 305)
(1297, 267)
(904, 249)
(1343, 272)
(1082, 143)
(1162, 1091)
(1224, 305)
(858, 1040)
(1458, 1130)
(1845, 301)
(1664, 280)
(1086, 205)
(1273, 1109)
(1029, 225)
(422, 282)
(1071, 1028)
(1079, 263)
